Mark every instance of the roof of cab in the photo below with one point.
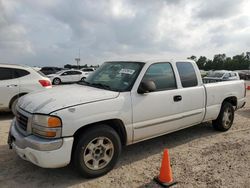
(150, 61)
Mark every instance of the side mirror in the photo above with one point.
(146, 87)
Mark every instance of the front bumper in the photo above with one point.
(41, 152)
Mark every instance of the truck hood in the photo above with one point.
(59, 97)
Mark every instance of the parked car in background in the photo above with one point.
(87, 71)
(203, 73)
(66, 76)
(221, 75)
(50, 70)
(244, 74)
(16, 81)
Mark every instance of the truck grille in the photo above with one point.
(22, 121)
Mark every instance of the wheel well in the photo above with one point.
(116, 124)
(15, 97)
(232, 100)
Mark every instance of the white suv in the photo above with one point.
(16, 81)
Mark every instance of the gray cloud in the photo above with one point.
(218, 9)
(51, 32)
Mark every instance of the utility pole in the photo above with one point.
(78, 59)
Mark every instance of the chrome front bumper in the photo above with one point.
(32, 141)
(41, 152)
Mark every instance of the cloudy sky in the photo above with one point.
(51, 32)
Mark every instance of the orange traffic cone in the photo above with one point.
(165, 178)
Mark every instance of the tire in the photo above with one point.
(96, 151)
(56, 81)
(83, 78)
(13, 105)
(226, 117)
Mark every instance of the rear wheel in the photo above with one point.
(225, 118)
(97, 151)
(56, 81)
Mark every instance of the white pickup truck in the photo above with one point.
(121, 103)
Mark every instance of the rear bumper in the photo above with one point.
(41, 152)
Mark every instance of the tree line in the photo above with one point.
(222, 62)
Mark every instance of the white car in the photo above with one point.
(120, 104)
(87, 71)
(66, 76)
(16, 81)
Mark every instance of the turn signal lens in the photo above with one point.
(54, 122)
(50, 134)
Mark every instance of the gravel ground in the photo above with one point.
(200, 157)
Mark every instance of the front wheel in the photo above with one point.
(97, 151)
(226, 117)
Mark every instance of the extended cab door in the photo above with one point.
(9, 86)
(157, 112)
(192, 93)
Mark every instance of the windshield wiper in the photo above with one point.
(101, 85)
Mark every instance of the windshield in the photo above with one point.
(115, 76)
(216, 74)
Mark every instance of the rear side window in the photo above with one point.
(163, 76)
(66, 73)
(75, 72)
(187, 74)
(9, 73)
(20, 73)
(6, 74)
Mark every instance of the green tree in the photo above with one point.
(193, 58)
(201, 62)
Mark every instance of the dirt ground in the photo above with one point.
(200, 157)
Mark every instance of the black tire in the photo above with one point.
(83, 78)
(223, 121)
(56, 81)
(13, 105)
(80, 151)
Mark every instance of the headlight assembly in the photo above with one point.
(46, 126)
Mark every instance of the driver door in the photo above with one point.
(157, 112)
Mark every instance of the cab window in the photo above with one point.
(162, 75)
(187, 74)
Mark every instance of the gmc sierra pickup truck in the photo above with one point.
(121, 103)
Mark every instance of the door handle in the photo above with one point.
(177, 98)
(12, 85)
